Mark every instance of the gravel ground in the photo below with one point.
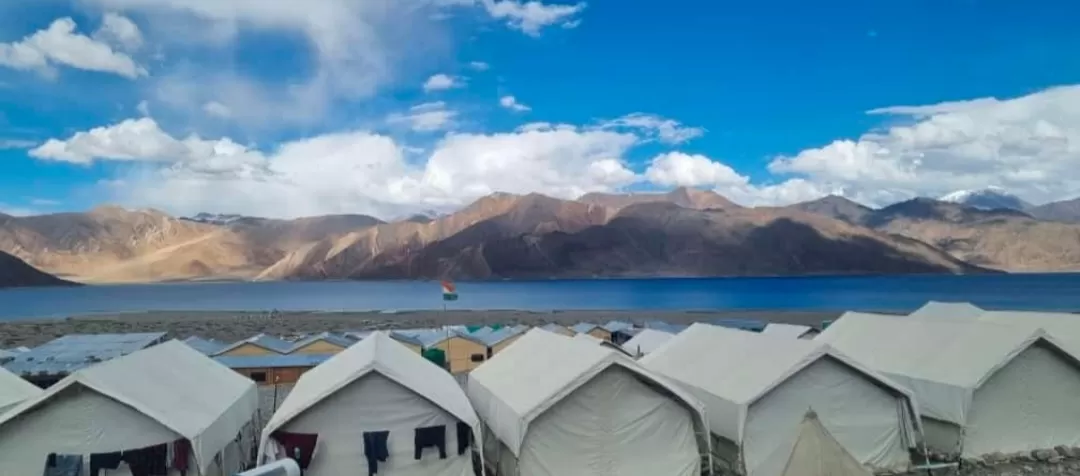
(233, 326)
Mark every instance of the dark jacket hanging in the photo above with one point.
(464, 437)
(181, 456)
(376, 449)
(63, 465)
(428, 437)
(100, 461)
(297, 441)
(149, 461)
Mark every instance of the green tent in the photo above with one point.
(473, 328)
(436, 356)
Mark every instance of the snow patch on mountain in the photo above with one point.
(988, 198)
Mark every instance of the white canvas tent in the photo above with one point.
(157, 395)
(555, 406)
(1063, 326)
(790, 331)
(646, 341)
(376, 385)
(947, 310)
(817, 453)
(757, 389)
(981, 387)
(13, 389)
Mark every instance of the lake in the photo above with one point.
(894, 293)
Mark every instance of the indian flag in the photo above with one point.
(449, 291)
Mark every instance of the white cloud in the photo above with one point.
(60, 45)
(354, 172)
(532, 16)
(120, 31)
(441, 82)
(678, 169)
(511, 103)
(479, 66)
(217, 109)
(427, 117)
(1028, 145)
(668, 131)
(143, 108)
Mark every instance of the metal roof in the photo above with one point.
(265, 341)
(206, 346)
(492, 337)
(583, 327)
(427, 338)
(72, 352)
(271, 361)
(336, 339)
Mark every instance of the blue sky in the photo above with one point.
(228, 106)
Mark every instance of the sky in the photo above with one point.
(393, 107)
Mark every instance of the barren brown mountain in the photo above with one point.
(683, 196)
(836, 207)
(393, 245)
(1066, 211)
(663, 239)
(1001, 239)
(14, 272)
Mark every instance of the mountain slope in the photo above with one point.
(1066, 211)
(837, 207)
(989, 198)
(662, 239)
(683, 196)
(14, 272)
(1002, 239)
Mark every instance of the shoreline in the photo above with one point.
(230, 326)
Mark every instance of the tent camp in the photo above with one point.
(817, 453)
(14, 389)
(981, 387)
(790, 331)
(757, 388)
(377, 385)
(646, 341)
(1063, 326)
(554, 406)
(947, 310)
(136, 403)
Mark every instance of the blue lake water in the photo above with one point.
(897, 293)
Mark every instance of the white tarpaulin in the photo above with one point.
(13, 389)
(564, 407)
(376, 385)
(646, 341)
(152, 396)
(817, 453)
(947, 310)
(790, 331)
(1063, 326)
(757, 389)
(963, 373)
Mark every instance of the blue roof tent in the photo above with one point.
(265, 341)
(752, 325)
(64, 355)
(336, 339)
(492, 337)
(663, 326)
(205, 346)
(271, 361)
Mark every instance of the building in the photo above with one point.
(982, 388)
(261, 344)
(13, 389)
(592, 329)
(322, 343)
(46, 364)
(274, 369)
(410, 342)
(552, 405)
(756, 389)
(378, 385)
(206, 346)
(168, 394)
(464, 352)
(499, 339)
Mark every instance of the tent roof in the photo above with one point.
(14, 389)
(583, 327)
(173, 384)
(206, 346)
(817, 453)
(792, 331)
(938, 309)
(647, 341)
(335, 339)
(265, 341)
(540, 369)
(1063, 326)
(72, 352)
(377, 353)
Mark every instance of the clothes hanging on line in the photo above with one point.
(376, 449)
(181, 455)
(464, 437)
(63, 465)
(430, 436)
(302, 443)
(148, 461)
(100, 461)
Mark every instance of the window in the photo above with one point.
(259, 377)
(477, 357)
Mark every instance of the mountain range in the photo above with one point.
(685, 232)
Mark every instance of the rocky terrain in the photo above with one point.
(684, 232)
(14, 272)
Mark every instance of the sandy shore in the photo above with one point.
(235, 325)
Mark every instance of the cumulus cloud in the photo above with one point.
(217, 109)
(440, 82)
(353, 171)
(479, 66)
(120, 31)
(427, 117)
(60, 45)
(532, 16)
(668, 131)
(679, 169)
(511, 103)
(1028, 145)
